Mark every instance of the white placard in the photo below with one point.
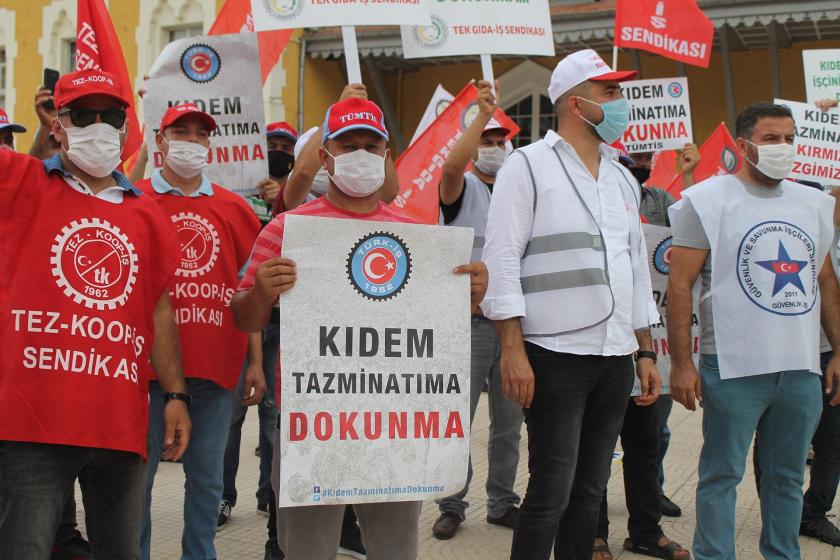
(660, 115)
(375, 339)
(822, 74)
(295, 14)
(437, 105)
(817, 143)
(221, 74)
(481, 27)
(658, 240)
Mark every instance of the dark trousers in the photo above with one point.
(36, 481)
(573, 425)
(640, 442)
(67, 526)
(825, 468)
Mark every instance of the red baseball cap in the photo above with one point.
(75, 85)
(186, 109)
(6, 123)
(281, 129)
(354, 114)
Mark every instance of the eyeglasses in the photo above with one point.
(82, 116)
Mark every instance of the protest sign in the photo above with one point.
(437, 105)
(221, 75)
(680, 31)
(481, 27)
(817, 143)
(658, 241)
(718, 156)
(419, 167)
(295, 14)
(822, 74)
(375, 337)
(660, 115)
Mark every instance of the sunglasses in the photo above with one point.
(82, 116)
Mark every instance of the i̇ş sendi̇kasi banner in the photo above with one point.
(221, 74)
(295, 14)
(375, 335)
(660, 115)
(481, 27)
(817, 143)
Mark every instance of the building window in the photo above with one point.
(69, 57)
(535, 116)
(3, 78)
(175, 33)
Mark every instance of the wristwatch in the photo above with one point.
(178, 397)
(646, 354)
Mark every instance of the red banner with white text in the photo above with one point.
(98, 48)
(675, 29)
(419, 167)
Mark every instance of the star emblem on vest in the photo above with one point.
(786, 270)
(777, 268)
(379, 266)
(94, 263)
(199, 244)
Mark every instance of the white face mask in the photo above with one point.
(774, 160)
(95, 148)
(490, 160)
(186, 159)
(358, 173)
(321, 182)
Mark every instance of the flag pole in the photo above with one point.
(615, 58)
(351, 54)
(487, 71)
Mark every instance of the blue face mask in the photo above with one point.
(615, 121)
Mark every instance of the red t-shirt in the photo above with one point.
(79, 281)
(215, 236)
(270, 241)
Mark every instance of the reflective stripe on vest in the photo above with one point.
(563, 242)
(564, 280)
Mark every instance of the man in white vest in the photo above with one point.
(571, 296)
(464, 201)
(759, 244)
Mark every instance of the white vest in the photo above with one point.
(564, 272)
(473, 213)
(766, 255)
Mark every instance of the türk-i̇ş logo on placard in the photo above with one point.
(777, 269)
(662, 256)
(94, 263)
(379, 266)
(283, 10)
(199, 243)
(200, 63)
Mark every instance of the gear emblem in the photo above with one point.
(94, 263)
(379, 265)
(662, 256)
(199, 244)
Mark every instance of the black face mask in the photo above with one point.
(641, 174)
(280, 164)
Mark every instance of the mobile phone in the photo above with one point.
(50, 78)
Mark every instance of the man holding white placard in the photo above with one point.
(354, 152)
(464, 201)
(571, 296)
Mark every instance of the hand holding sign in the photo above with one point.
(274, 277)
(488, 103)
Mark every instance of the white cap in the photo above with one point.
(303, 139)
(493, 124)
(579, 67)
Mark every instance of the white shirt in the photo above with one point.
(509, 230)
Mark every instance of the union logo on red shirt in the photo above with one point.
(199, 243)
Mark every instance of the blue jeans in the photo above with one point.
(267, 411)
(505, 427)
(784, 407)
(203, 466)
(36, 482)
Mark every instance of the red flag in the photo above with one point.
(235, 17)
(419, 167)
(718, 156)
(98, 47)
(675, 29)
(663, 169)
